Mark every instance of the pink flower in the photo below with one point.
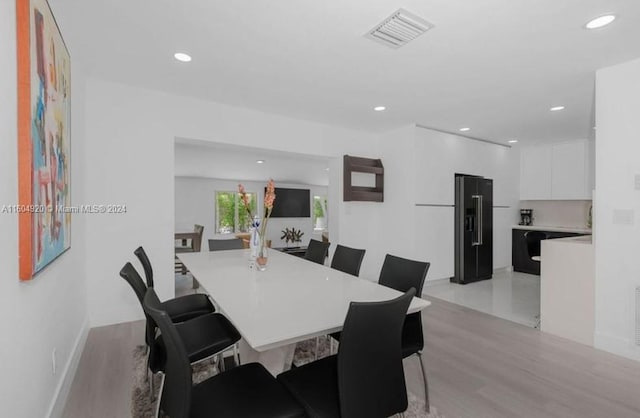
(269, 198)
(270, 195)
(244, 197)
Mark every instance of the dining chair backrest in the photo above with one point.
(146, 265)
(175, 399)
(130, 274)
(371, 379)
(225, 244)
(347, 260)
(317, 251)
(196, 244)
(403, 274)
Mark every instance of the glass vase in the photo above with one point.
(254, 239)
(262, 256)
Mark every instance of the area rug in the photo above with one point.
(143, 405)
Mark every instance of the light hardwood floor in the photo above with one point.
(479, 366)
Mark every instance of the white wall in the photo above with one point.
(616, 242)
(437, 157)
(397, 232)
(50, 311)
(195, 204)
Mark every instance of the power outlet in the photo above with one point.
(53, 361)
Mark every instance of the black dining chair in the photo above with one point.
(181, 308)
(366, 378)
(204, 336)
(403, 274)
(347, 260)
(317, 251)
(225, 244)
(246, 391)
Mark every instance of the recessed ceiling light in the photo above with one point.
(465, 129)
(556, 108)
(327, 168)
(380, 108)
(260, 161)
(182, 57)
(513, 141)
(599, 22)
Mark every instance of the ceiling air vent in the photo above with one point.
(398, 29)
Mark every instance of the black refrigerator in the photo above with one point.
(473, 229)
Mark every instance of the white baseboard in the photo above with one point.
(616, 345)
(56, 408)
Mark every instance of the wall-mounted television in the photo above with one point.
(291, 203)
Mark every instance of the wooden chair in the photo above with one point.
(191, 242)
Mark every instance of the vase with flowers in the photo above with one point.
(258, 243)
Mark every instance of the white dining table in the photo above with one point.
(291, 301)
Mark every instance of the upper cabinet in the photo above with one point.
(535, 173)
(561, 171)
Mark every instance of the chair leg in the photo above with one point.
(221, 362)
(151, 375)
(317, 348)
(147, 366)
(424, 379)
(157, 411)
(236, 352)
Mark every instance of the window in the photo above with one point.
(231, 215)
(319, 212)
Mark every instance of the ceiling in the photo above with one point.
(496, 66)
(195, 158)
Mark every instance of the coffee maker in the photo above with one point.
(526, 217)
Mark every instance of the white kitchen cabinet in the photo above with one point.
(535, 173)
(568, 171)
(560, 171)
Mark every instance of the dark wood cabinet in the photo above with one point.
(519, 254)
(363, 165)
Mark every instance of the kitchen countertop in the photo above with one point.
(575, 229)
(582, 239)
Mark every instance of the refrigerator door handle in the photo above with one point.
(480, 220)
(477, 208)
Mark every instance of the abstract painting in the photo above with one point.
(44, 123)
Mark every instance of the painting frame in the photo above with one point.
(44, 138)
